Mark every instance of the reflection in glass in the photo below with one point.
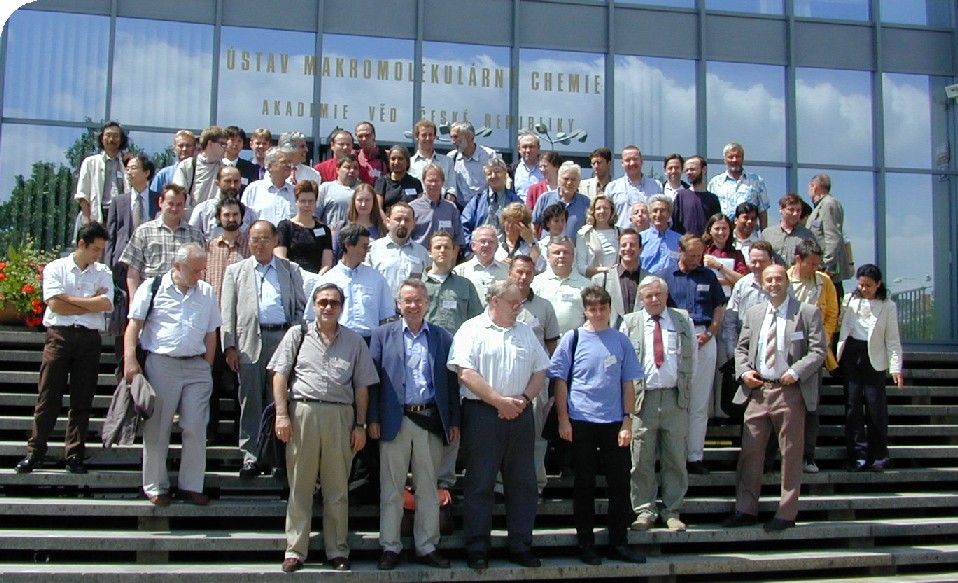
(367, 79)
(757, 6)
(178, 57)
(472, 82)
(920, 12)
(56, 66)
(671, 3)
(22, 146)
(908, 142)
(153, 142)
(834, 9)
(911, 250)
(833, 116)
(746, 104)
(774, 181)
(855, 190)
(266, 80)
(563, 91)
(655, 105)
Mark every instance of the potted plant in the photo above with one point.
(21, 284)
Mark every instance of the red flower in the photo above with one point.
(3, 276)
(28, 289)
(40, 269)
(32, 321)
(38, 309)
(3, 265)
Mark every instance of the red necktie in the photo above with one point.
(657, 347)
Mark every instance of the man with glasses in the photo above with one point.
(272, 198)
(321, 390)
(483, 268)
(198, 175)
(262, 297)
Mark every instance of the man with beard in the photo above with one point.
(206, 217)
(691, 209)
(395, 256)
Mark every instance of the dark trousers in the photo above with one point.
(224, 385)
(70, 355)
(493, 445)
(865, 402)
(617, 461)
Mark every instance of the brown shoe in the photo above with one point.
(433, 559)
(159, 499)
(291, 565)
(388, 561)
(197, 498)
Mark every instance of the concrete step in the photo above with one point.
(735, 431)
(32, 378)
(34, 356)
(24, 423)
(899, 410)
(234, 506)
(101, 402)
(543, 538)
(666, 567)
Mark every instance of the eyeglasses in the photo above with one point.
(324, 303)
(224, 144)
(260, 239)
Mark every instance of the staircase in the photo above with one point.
(902, 523)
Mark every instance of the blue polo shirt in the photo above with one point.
(660, 250)
(698, 292)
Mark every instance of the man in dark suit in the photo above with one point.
(413, 411)
(778, 359)
(235, 142)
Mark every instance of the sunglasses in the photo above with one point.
(324, 303)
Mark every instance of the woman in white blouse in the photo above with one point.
(597, 243)
(869, 347)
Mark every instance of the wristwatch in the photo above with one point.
(359, 426)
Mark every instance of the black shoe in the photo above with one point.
(433, 559)
(75, 465)
(626, 554)
(291, 565)
(525, 559)
(340, 563)
(857, 466)
(28, 464)
(740, 519)
(589, 556)
(880, 465)
(777, 524)
(477, 560)
(249, 470)
(697, 468)
(388, 561)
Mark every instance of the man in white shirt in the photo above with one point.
(631, 188)
(483, 269)
(176, 326)
(296, 142)
(562, 284)
(272, 198)
(395, 256)
(78, 290)
(425, 134)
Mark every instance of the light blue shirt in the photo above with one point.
(577, 210)
(268, 202)
(162, 178)
(660, 251)
(419, 388)
(470, 176)
(526, 177)
(750, 187)
(271, 310)
(624, 193)
(368, 299)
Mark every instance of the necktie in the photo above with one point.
(137, 208)
(657, 347)
(771, 339)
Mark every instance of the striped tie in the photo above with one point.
(771, 339)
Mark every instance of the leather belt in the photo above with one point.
(273, 327)
(419, 408)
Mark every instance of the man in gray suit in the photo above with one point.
(262, 297)
(827, 223)
(781, 348)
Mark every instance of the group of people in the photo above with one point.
(427, 311)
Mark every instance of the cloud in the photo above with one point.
(749, 114)
(653, 110)
(834, 126)
(907, 121)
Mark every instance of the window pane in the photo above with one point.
(856, 192)
(56, 66)
(836, 9)
(655, 105)
(368, 79)
(266, 80)
(22, 146)
(834, 116)
(759, 6)
(178, 58)
(913, 251)
(908, 142)
(472, 82)
(565, 92)
(672, 3)
(746, 104)
(921, 12)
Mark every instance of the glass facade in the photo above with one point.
(851, 88)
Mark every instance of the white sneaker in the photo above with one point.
(810, 467)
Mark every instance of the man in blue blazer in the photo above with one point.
(413, 411)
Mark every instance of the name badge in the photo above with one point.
(610, 361)
(450, 304)
(798, 336)
(319, 231)
(816, 223)
(244, 181)
(410, 192)
(674, 255)
(702, 287)
(445, 225)
(415, 261)
(568, 297)
(119, 174)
